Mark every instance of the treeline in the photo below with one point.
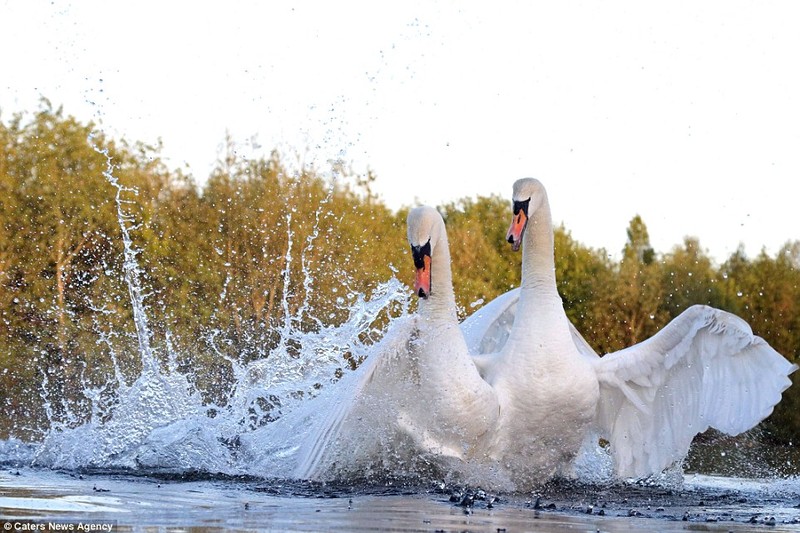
(224, 264)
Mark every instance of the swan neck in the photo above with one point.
(538, 260)
(441, 303)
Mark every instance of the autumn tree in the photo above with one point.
(689, 278)
(581, 274)
(626, 306)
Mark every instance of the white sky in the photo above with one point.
(687, 113)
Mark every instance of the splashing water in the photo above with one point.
(154, 399)
(161, 422)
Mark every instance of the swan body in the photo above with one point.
(547, 389)
(418, 404)
(704, 369)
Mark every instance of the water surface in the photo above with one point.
(181, 502)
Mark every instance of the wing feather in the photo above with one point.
(704, 369)
(487, 329)
(325, 415)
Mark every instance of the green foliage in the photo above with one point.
(225, 264)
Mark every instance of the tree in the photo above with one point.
(483, 264)
(627, 306)
(689, 278)
(263, 245)
(582, 274)
(637, 248)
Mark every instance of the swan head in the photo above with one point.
(526, 197)
(425, 227)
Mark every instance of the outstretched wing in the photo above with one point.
(704, 369)
(326, 414)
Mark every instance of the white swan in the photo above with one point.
(704, 369)
(418, 402)
(547, 390)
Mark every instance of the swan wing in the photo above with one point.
(703, 369)
(583, 347)
(410, 389)
(327, 415)
(487, 329)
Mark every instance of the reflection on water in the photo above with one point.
(132, 503)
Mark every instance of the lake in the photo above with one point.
(48, 500)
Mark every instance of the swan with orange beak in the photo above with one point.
(703, 369)
(417, 406)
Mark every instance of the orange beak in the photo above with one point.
(422, 281)
(518, 223)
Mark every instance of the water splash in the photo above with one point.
(160, 421)
(130, 267)
(125, 418)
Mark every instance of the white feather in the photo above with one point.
(704, 369)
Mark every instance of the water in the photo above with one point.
(152, 447)
(161, 422)
(140, 502)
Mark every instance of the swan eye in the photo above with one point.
(521, 206)
(419, 253)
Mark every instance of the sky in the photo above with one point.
(685, 113)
